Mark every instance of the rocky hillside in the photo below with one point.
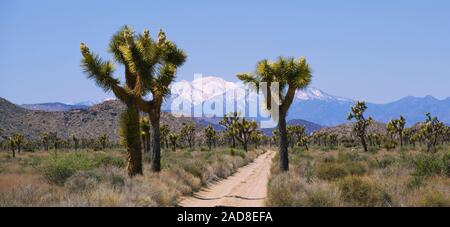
(347, 129)
(96, 120)
(84, 123)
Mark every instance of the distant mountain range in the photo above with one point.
(93, 121)
(310, 104)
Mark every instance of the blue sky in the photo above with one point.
(377, 51)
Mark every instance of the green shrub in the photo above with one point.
(58, 167)
(374, 150)
(386, 161)
(117, 181)
(415, 182)
(358, 191)
(356, 168)
(57, 172)
(283, 191)
(320, 198)
(234, 152)
(329, 159)
(429, 165)
(194, 167)
(330, 171)
(434, 199)
(351, 156)
(81, 181)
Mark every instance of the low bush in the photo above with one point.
(429, 165)
(433, 199)
(330, 171)
(58, 167)
(358, 191)
(356, 168)
(289, 190)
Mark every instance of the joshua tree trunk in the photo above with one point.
(130, 132)
(401, 140)
(148, 143)
(283, 148)
(363, 142)
(209, 144)
(156, 146)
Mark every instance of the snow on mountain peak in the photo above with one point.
(201, 89)
(311, 93)
(205, 88)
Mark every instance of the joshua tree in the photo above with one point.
(187, 134)
(333, 140)
(76, 142)
(296, 133)
(229, 121)
(1, 134)
(154, 65)
(145, 133)
(12, 145)
(244, 130)
(431, 130)
(54, 140)
(16, 141)
(210, 135)
(103, 141)
(397, 126)
(291, 75)
(256, 137)
(102, 72)
(164, 129)
(45, 138)
(361, 123)
(173, 138)
(149, 67)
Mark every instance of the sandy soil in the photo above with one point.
(246, 188)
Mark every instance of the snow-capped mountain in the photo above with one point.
(311, 104)
(89, 102)
(311, 93)
(206, 88)
(201, 89)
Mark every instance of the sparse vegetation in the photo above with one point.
(351, 177)
(86, 178)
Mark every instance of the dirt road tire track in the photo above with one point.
(246, 188)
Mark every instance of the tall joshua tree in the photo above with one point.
(165, 131)
(397, 126)
(291, 75)
(150, 66)
(245, 128)
(361, 123)
(431, 130)
(45, 139)
(210, 135)
(173, 138)
(155, 65)
(76, 142)
(229, 121)
(187, 134)
(102, 73)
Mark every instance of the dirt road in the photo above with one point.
(246, 188)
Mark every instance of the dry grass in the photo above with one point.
(348, 177)
(94, 180)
